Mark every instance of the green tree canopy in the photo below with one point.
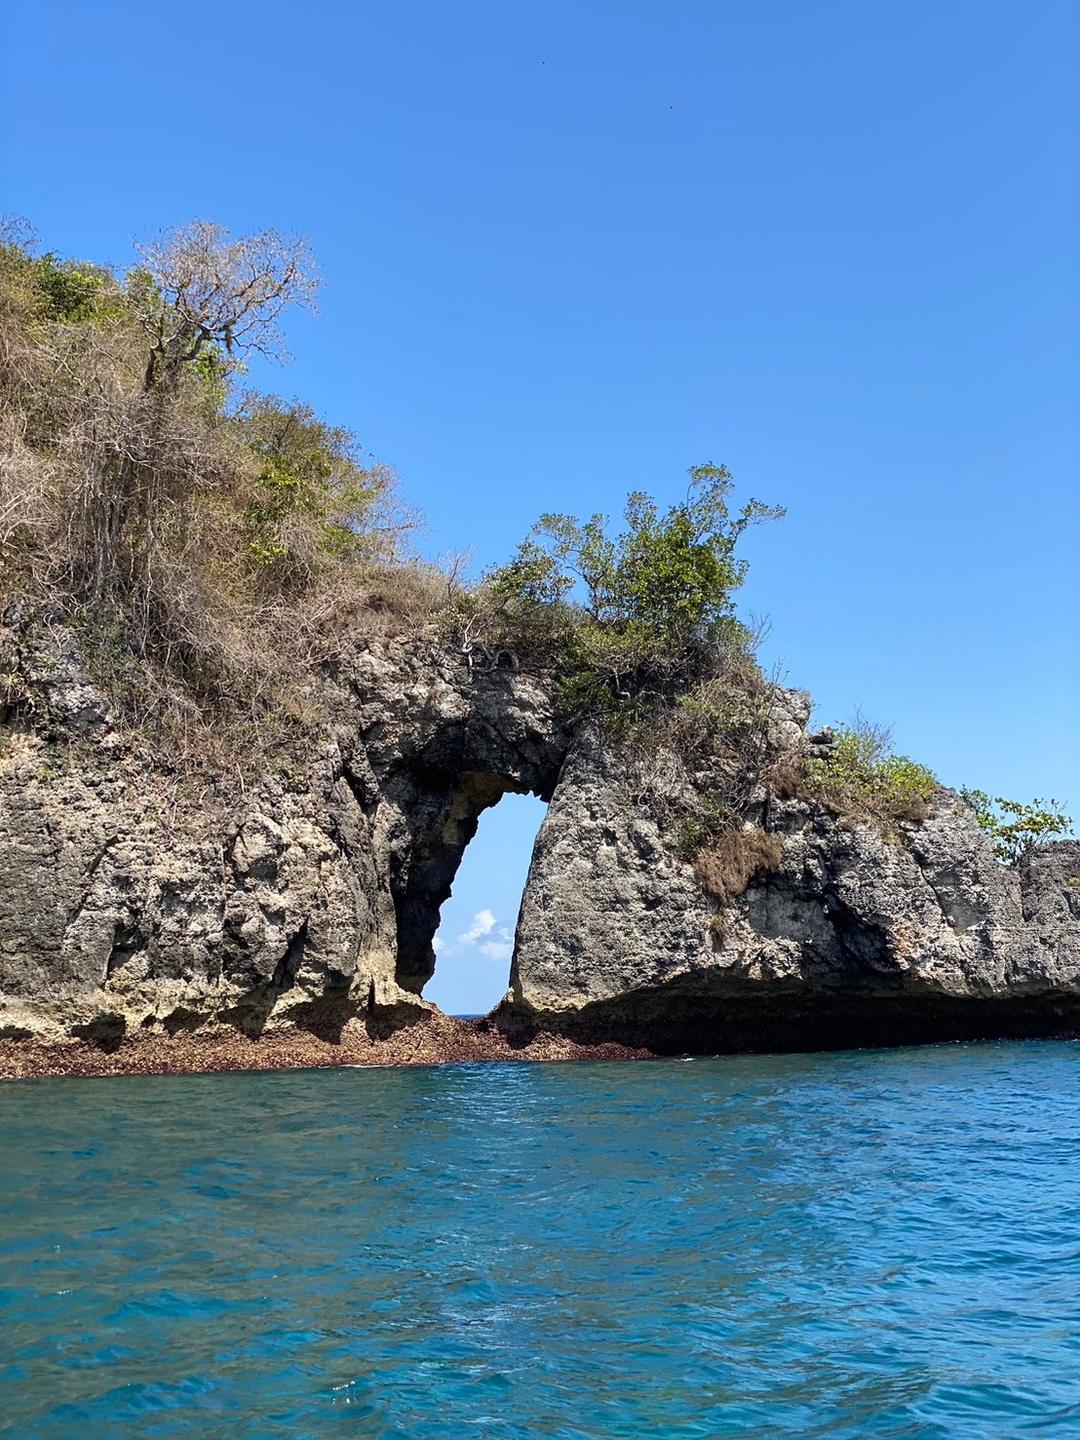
(646, 605)
(1014, 827)
(312, 472)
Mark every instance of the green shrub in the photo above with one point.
(636, 618)
(311, 492)
(1017, 828)
(69, 292)
(862, 778)
(73, 292)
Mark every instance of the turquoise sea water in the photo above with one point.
(866, 1244)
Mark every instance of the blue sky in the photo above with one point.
(571, 249)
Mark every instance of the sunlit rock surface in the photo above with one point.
(137, 900)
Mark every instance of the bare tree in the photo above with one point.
(16, 231)
(200, 288)
(198, 292)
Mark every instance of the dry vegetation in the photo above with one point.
(860, 778)
(726, 865)
(698, 762)
(209, 543)
(700, 769)
(212, 545)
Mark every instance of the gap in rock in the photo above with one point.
(475, 939)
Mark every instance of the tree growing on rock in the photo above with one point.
(643, 611)
(1014, 827)
(200, 290)
(203, 300)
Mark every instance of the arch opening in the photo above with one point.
(474, 943)
(503, 744)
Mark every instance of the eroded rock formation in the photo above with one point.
(136, 897)
(136, 900)
(856, 938)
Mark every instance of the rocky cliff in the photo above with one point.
(854, 938)
(144, 904)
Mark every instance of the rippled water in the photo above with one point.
(867, 1244)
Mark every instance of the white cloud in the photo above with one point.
(500, 949)
(499, 944)
(483, 924)
(497, 949)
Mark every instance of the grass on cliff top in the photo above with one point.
(214, 544)
(210, 543)
(860, 776)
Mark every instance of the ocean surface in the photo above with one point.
(864, 1244)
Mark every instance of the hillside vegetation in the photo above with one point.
(213, 544)
(211, 541)
(207, 539)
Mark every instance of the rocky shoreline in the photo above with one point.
(422, 1035)
(433, 1039)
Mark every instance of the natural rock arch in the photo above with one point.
(469, 736)
(133, 903)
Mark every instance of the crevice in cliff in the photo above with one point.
(88, 883)
(866, 944)
(959, 914)
(128, 940)
(287, 968)
(252, 1011)
(363, 792)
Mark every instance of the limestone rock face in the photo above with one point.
(608, 909)
(136, 897)
(1047, 955)
(855, 938)
(133, 896)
